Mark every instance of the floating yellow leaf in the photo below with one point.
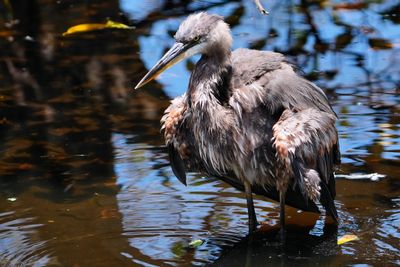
(84, 28)
(116, 25)
(347, 238)
(87, 27)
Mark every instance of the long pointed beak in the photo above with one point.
(173, 56)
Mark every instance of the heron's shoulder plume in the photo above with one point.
(249, 65)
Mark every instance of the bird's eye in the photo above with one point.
(196, 39)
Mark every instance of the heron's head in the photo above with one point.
(200, 33)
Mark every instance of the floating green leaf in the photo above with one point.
(196, 243)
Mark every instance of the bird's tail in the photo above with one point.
(327, 198)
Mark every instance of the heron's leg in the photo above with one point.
(282, 195)
(250, 207)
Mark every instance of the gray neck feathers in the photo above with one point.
(209, 83)
(210, 118)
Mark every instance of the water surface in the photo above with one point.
(85, 178)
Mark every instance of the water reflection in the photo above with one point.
(159, 213)
(82, 156)
(19, 241)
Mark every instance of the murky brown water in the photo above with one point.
(85, 179)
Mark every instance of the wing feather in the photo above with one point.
(262, 78)
(170, 124)
(306, 143)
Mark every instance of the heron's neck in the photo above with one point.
(210, 80)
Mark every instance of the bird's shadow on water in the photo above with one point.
(300, 247)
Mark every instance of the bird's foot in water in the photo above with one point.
(278, 240)
(253, 226)
(253, 229)
(282, 236)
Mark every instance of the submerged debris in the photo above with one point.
(360, 176)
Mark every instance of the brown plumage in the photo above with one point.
(249, 119)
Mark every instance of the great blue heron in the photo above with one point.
(249, 119)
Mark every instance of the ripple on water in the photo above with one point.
(162, 225)
(161, 216)
(20, 243)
